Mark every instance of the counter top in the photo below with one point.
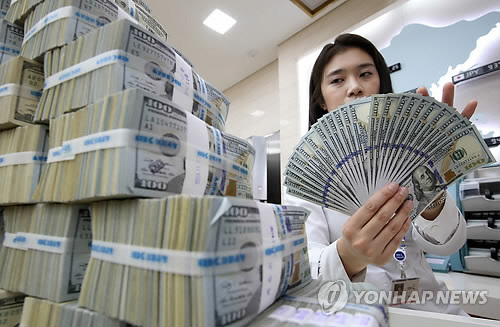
(463, 281)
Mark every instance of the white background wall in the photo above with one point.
(255, 108)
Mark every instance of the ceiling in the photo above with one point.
(251, 44)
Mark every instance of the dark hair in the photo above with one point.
(341, 44)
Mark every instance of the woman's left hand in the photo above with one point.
(449, 95)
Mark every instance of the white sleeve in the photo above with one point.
(323, 255)
(444, 235)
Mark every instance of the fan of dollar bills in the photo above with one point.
(353, 151)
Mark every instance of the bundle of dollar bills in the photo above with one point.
(2, 228)
(19, 9)
(120, 56)
(23, 151)
(325, 303)
(21, 83)
(131, 5)
(4, 6)
(56, 245)
(11, 39)
(12, 259)
(136, 144)
(38, 313)
(353, 151)
(141, 13)
(11, 307)
(54, 23)
(193, 261)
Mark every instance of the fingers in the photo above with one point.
(393, 227)
(384, 215)
(423, 91)
(469, 109)
(395, 242)
(371, 207)
(448, 93)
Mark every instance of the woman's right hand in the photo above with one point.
(372, 234)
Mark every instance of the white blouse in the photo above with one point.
(443, 236)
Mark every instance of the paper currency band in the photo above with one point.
(374, 311)
(6, 48)
(46, 243)
(61, 13)
(130, 138)
(136, 63)
(192, 263)
(23, 158)
(13, 2)
(307, 316)
(19, 90)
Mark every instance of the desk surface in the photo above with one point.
(462, 281)
(408, 318)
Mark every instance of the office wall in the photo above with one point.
(255, 108)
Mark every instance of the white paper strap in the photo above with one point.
(61, 13)
(13, 2)
(5, 48)
(272, 266)
(46, 243)
(84, 67)
(124, 137)
(187, 262)
(136, 63)
(19, 90)
(12, 240)
(165, 260)
(22, 158)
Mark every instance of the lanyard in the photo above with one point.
(400, 257)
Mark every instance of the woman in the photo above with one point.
(361, 247)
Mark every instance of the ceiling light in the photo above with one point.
(219, 21)
(257, 113)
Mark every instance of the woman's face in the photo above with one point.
(349, 75)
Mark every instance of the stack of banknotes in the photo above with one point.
(23, 151)
(4, 6)
(193, 261)
(56, 244)
(49, 242)
(11, 39)
(54, 23)
(12, 259)
(42, 313)
(141, 13)
(120, 56)
(19, 9)
(11, 307)
(355, 150)
(132, 5)
(324, 303)
(135, 144)
(21, 83)
(2, 227)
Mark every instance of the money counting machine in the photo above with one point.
(480, 199)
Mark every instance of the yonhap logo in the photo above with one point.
(332, 296)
